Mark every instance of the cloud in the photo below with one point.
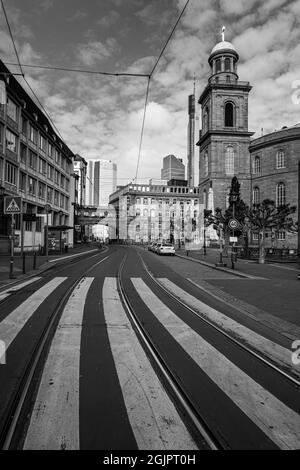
(95, 51)
(77, 16)
(108, 20)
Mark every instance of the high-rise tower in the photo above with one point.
(192, 137)
(224, 138)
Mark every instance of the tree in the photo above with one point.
(266, 216)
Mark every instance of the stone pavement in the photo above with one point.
(271, 289)
(41, 263)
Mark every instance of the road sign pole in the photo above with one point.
(11, 265)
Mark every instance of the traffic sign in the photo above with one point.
(233, 224)
(12, 205)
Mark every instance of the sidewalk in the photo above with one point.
(250, 268)
(269, 290)
(41, 263)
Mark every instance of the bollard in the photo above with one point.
(34, 260)
(11, 268)
(24, 263)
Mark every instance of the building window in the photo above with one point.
(41, 191)
(280, 160)
(145, 200)
(206, 119)
(280, 194)
(56, 198)
(227, 198)
(229, 115)
(256, 195)
(10, 173)
(43, 143)
(145, 213)
(229, 161)
(205, 163)
(255, 236)
(57, 157)
(50, 172)
(22, 181)
(11, 141)
(42, 166)
(49, 194)
(256, 165)
(33, 134)
(50, 150)
(12, 110)
(32, 160)
(23, 154)
(218, 65)
(24, 124)
(281, 235)
(31, 186)
(227, 65)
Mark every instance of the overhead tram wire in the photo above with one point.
(12, 38)
(95, 72)
(149, 79)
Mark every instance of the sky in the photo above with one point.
(101, 117)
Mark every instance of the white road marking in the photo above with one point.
(11, 326)
(265, 346)
(7, 292)
(153, 417)
(274, 418)
(54, 421)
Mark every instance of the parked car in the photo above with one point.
(166, 249)
(150, 247)
(153, 247)
(156, 247)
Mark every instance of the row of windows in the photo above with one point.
(280, 162)
(39, 189)
(160, 201)
(165, 189)
(280, 194)
(40, 165)
(167, 213)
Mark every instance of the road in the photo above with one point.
(124, 349)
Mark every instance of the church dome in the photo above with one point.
(223, 46)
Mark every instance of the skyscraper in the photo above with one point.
(101, 182)
(192, 138)
(173, 168)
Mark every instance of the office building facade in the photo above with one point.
(101, 181)
(173, 168)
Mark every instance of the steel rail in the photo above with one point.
(237, 342)
(185, 403)
(13, 414)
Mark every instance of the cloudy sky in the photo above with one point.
(101, 117)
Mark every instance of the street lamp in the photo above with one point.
(47, 209)
(60, 214)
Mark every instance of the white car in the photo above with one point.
(166, 249)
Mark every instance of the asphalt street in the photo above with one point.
(123, 349)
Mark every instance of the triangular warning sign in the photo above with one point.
(13, 207)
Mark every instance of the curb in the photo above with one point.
(210, 265)
(45, 267)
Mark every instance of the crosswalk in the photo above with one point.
(155, 422)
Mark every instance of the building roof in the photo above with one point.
(222, 46)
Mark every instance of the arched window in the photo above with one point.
(205, 163)
(256, 195)
(206, 119)
(227, 65)
(145, 213)
(256, 165)
(229, 115)
(280, 194)
(218, 65)
(229, 161)
(280, 159)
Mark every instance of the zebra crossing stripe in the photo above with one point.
(260, 343)
(54, 423)
(153, 417)
(7, 292)
(274, 418)
(11, 326)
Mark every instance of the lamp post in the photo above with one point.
(47, 209)
(60, 214)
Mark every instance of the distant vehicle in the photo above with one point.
(150, 247)
(166, 249)
(157, 248)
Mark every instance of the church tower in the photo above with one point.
(224, 138)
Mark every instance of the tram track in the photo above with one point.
(11, 425)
